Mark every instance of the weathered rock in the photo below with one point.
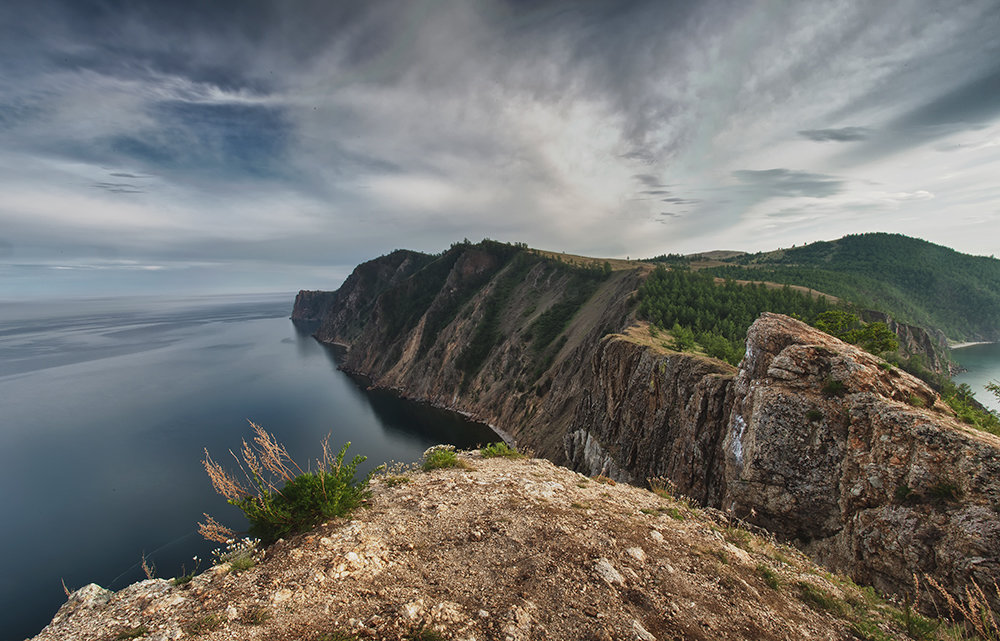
(875, 479)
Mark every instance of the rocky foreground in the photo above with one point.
(503, 549)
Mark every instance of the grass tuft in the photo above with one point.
(769, 576)
(204, 624)
(441, 456)
(819, 599)
(501, 449)
(395, 481)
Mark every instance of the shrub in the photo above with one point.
(132, 633)
(494, 450)
(440, 456)
(944, 491)
(814, 415)
(303, 500)
(833, 387)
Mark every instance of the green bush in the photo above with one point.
(283, 499)
(494, 450)
(440, 456)
(833, 387)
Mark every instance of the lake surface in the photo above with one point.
(107, 407)
(983, 365)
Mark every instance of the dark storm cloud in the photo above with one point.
(773, 183)
(844, 134)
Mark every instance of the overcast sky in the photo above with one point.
(270, 146)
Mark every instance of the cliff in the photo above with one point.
(931, 346)
(508, 550)
(857, 462)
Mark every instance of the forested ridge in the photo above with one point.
(914, 281)
(697, 310)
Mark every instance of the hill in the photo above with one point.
(505, 549)
(912, 280)
(808, 436)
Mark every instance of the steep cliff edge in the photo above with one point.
(857, 462)
(494, 331)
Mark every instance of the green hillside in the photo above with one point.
(915, 281)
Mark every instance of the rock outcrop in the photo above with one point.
(312, 306)
(818, 441)
(859, 463)
(506, 550)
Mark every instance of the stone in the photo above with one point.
(607, 572)
(636, 553)
(641, 633)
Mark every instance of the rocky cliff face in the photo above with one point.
(862, 465)
(929, 345)
(312, 306)
(810, 437)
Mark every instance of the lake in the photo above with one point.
(983, 365)
(107, 407)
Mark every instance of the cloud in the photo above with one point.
(285, 135)
(772, 183)
(649, 181)
(119, 188)
(844, 134)
(975, 102)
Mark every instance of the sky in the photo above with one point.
(246, 145)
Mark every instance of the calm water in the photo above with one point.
(983, 363)
(107, 407)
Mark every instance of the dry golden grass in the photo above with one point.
(975, 612)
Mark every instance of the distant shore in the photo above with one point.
(970, 344)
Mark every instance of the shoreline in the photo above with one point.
(970, 344)
(370, 384)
